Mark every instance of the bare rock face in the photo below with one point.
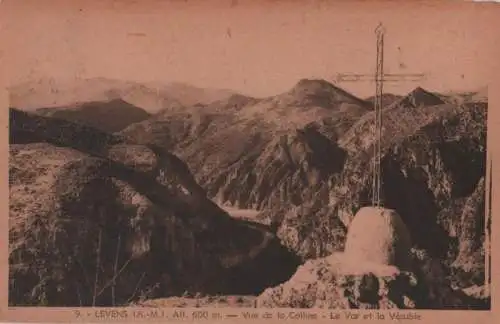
(291, 169)
(469, 249)
(465, 221)
(107, 222)
(426, 176)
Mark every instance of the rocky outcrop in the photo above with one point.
(95, 220)
(188, 301)
(323, 283)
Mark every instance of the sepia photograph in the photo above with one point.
(238, 154)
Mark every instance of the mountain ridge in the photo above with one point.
(216, 143)
(110, 116)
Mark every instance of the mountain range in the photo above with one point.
(151, 96)
(300, 161)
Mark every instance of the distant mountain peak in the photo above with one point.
(311, 84)
(419, 97)
(106, 101)
(324, 92)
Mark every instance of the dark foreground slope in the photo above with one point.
(96, 220)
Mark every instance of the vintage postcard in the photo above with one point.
(231, 161)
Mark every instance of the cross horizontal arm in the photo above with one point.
(352, 77)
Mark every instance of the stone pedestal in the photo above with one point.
(379, 236)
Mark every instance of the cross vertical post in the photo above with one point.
(380, 77)
(379, 83)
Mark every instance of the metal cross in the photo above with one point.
(380, 77)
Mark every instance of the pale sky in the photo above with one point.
(255, 47)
